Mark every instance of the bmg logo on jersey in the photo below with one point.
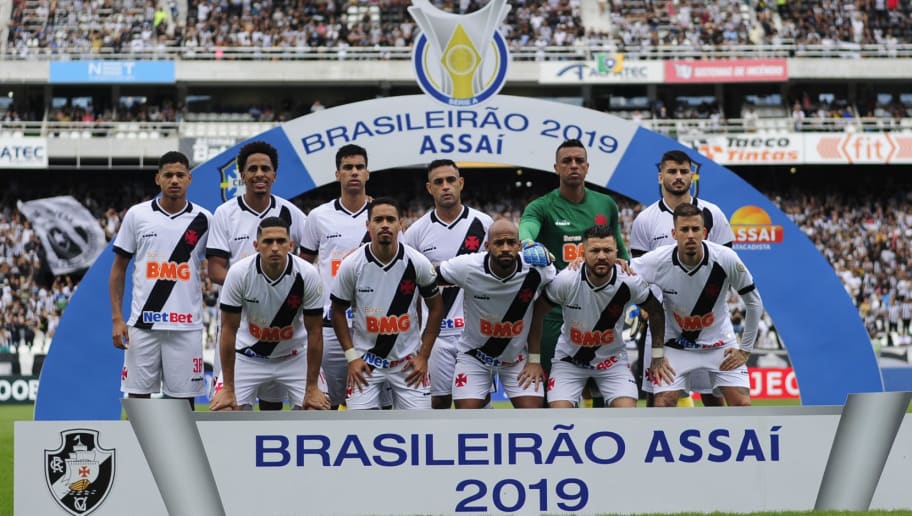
(388, 324)
(168, 271)
(460, 60)
(79, 473)
(591, 338)
(271, 333)
(505, 329)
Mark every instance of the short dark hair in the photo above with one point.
(350, 150)
(173, 157)
(273, 222)
(686, 209)
(437, 163)
(676, 156)
(598, 231)
(383, 200)
(569, 144)
(257, 147)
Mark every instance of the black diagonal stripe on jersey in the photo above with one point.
(711, 292)
(160, 292)
(477, 231)
(398, 307)
(283, 317)
(494, 346)
(285, 214)
(366, 238)
(610, 315)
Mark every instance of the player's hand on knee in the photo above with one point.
(315, 399)
(531, 374)
(358, 372)
(661, 371)
(224, 399)
(536, 254)
(734, 358)
(417, 371)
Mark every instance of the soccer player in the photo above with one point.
(558, 220)
(448, 230)
(380, 283)
(593, 300)
(162, 338)
(500, 290)
(652, 228)
(335, 229)
(234, 229)
(695, 276)
(271, 311)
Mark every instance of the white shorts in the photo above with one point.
(266, 392)
(164, 361)
(472, 380)
(335, 366)
(442, 364)
(390, 380)
(285, 376)
(567, 381)
(699, 381)
(685, 362)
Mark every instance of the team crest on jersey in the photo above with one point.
(472, 243)
(460, 60)
(231, 184)
(79, 473)
(407, 287)
(525, 295)
(293, 301)
(191, 237)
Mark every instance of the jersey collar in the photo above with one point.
(676, 262)
(157, 207)
(463, 215)
(288, 270)
(584, 273)
(664, 207)
(337, 204)
(243, 206)
(400, 254)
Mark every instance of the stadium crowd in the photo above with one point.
(866, 240)
(123, 26)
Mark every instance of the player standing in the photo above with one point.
(695, 277)
(499, 290)
(234, 229)
(449, 229)
(593, 300)
(558, 220)
(162, 338)
(380, 283)
(652, 229)
(272, 307)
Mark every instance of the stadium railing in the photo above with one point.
(672, 127)
(582, 52)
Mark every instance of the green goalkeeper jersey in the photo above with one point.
(559, 224)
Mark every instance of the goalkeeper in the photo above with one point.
(557, 220)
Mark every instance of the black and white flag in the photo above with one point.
(71, 236)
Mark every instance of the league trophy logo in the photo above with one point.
(79, 473)
(460, 60)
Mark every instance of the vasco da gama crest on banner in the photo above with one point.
(79, 473)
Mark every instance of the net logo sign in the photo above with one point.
(460, 60)
(754, 230)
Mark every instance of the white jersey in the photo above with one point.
(166, 250)
(439, 241)
(498, 310)
(696, 312)
(593, 316)
(652, 226)
(382, 299)
(271, 322)
(332, 233)
(234, 227)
